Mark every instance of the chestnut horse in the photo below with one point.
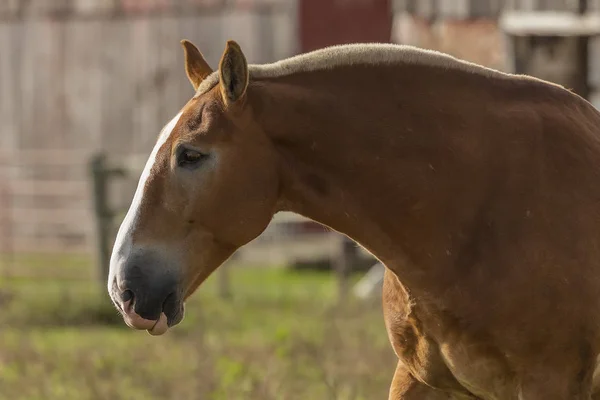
(479, 191)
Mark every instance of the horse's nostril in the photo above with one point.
(171, 307)
(127, 295)
(169, 300)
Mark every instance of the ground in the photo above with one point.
(281, 336)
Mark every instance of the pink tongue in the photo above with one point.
(160, 327)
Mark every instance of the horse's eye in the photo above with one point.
(189, 157)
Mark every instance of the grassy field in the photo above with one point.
(281, 336)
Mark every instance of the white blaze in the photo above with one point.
(123, 244)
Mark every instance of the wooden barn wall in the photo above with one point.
(81, 76)
(78, 76)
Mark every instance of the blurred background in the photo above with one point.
(86, 86)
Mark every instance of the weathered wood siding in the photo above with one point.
(81, 76)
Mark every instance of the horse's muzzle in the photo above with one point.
(148, 295)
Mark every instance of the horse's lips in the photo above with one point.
(160, 327)
(133, 320)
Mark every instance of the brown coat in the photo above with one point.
(478, 190)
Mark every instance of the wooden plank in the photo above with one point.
(559, 5)
(47, 74)
(264, 35)
(51, 231)
(285, 40)
(39, 231)
(458, 9)
(542, 5)
(154, 83)
(49, 202)
(209, 35)
(48, 245)
(118, 86)
(44, 156)
(176, 88)
(594, 64)
(455, 9)
(486, 9)
(94, 7)
(26, 78)
(425, 8)
(83, 90)
(141, 78)
(62, 188)
(8, 8)
(244, 28)
(549, 23)
(41, 216)
(106, 10)
(8, 71)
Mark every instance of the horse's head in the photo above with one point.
(210, 186)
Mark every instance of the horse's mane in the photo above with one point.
(353, 54)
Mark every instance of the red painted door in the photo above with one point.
(329, 22)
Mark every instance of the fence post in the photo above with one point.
(101, 174)
(583, 53)
(6, 222)
(224, 279)
(343, 265)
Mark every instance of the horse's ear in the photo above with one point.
(233, 73)
(196, 67)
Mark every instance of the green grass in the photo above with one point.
(40, 266)
(282, 335)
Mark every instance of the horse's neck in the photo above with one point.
(372, 168)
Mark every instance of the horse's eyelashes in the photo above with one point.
(189, 157)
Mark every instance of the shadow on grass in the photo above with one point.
(26, 307)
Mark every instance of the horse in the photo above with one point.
(479, 191)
